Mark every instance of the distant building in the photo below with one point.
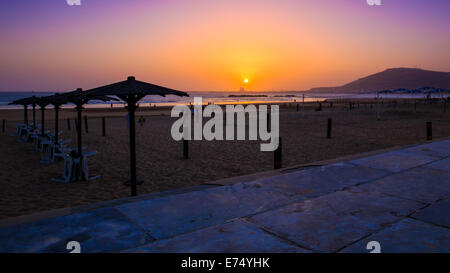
(241, 89)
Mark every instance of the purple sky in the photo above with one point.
(215, 45)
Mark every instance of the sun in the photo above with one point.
(246, 80)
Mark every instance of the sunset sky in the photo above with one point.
(208, 45)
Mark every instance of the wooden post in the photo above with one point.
(42, 120)
(277, 156)
(68, 124)
(79, 136)
(268, 119)
(3, 125)
(56, 123)
(103, 127)
(298, 107)
(429, 130)
(378, 106)
(25, 115)
(303, 105)
(76, 124)
(131, 112)
(329, 128)
(86, 124)
(34, 115)
(185, 149)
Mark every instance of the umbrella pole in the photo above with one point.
(79, 107)
(25, 114)
(79, 170)
(56, 123)
(34, 116)
(131, 110)
(42, 120)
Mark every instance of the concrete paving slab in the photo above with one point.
(423, 184)
(105, 230)
(233, 237)
(321, 180)
(335, 220)
(394, 161)
(407, 236)
(174, 215)
(435, 149)
(438, 213)
(317, 228)
(379, 209)
(443, 164)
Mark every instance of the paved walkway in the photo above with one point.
(400, 199)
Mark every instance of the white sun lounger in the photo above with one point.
(73, 164)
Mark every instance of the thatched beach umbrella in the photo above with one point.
(131, 91)
(56, 100)
(25, 102)
(79, 98)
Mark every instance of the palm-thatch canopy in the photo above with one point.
(77, 96)
(25, 101)
(80, 97)
(135, 88)
(131, 91)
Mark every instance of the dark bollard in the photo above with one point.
(268, 120)
(86, 124)
(277, 156)
(185, 149)
(329, 128)
(68, 124)
(429, 130)
(3, 125)
(298, 107)
(103, 127)
(76, 124)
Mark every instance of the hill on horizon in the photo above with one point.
(392, 78)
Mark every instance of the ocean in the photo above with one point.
(208, 97)
(217, 97)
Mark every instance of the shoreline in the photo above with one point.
(266, 98)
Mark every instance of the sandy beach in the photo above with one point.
(27, 185)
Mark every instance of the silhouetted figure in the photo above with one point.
(141, 121)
